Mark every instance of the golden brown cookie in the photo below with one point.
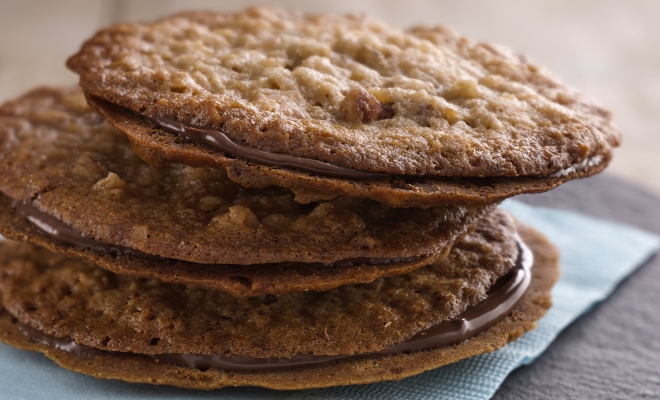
(342, 104)
(238, 280)
(94, 285)
(61, 159)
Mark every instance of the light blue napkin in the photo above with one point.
(595, 256)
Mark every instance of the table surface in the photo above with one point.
(614, 350)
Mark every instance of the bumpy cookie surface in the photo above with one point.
(69, 298)
(138, 368)
(349, 91)
(238, 280)
(62, 158)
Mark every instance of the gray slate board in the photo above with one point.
(613, 352)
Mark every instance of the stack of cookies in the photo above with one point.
(276, 199)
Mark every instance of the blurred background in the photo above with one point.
(608, 49)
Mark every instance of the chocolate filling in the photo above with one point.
(500, 301)
(220, 141)
(60, 232)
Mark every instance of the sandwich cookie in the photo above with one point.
(329, 105)
(238, 280)
(484, 294)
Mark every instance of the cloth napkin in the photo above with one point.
(595, 256)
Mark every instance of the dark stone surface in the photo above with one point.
(614, 350)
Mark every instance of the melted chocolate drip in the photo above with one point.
(497, 305)
(60, 232)
(220, 141)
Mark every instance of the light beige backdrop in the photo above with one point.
(609, 49)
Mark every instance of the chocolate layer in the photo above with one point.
(220, 141)
(65, 344)
(499, 303)
(59, 231)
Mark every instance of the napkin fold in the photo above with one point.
(595, 256)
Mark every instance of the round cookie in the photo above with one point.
(58, 156)
(139, 368)
(342, 96)
(238, 280)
